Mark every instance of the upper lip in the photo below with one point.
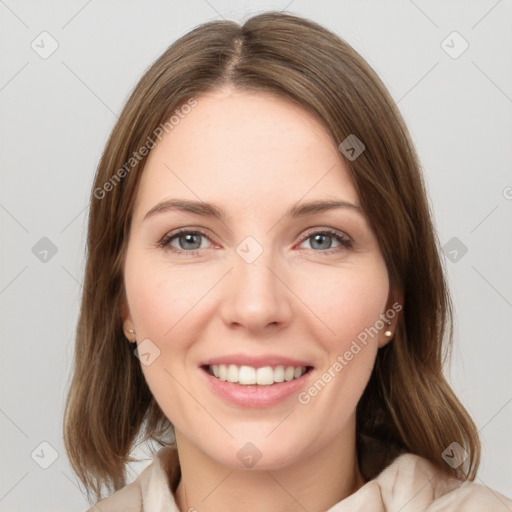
(255, 361)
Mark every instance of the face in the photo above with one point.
(255, 317)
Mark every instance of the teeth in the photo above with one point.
(289, 373)
(248, 375)
(264, 376)
(232, 373)
(279, 374)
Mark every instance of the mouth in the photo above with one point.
(244, 375)
(256, 381)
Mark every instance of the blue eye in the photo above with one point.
(190, 241)
(322, 240)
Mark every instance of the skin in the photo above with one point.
(255, 155)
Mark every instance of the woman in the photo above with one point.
(263, 292)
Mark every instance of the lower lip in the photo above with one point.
(254, 395)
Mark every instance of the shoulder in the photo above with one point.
(411, 484)
(414, 483)
(128, 499)
(472, 497)
(150, 491)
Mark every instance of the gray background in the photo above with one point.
(57, 113)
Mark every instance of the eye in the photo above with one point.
(190, 241)
(187, 241)
(322, 241)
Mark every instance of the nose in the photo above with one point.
(256, 295)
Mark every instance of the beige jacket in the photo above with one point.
(409, 484)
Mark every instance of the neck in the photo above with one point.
(315, 483)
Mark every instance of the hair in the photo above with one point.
(408, 405)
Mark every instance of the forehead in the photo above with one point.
(247, 150)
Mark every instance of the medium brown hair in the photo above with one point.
(407, 406)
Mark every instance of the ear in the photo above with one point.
(394, 307)
(126, 318)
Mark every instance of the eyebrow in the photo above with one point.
(210, 210)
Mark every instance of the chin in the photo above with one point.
(257, 455)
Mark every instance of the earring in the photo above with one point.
(132, 331)
(388, 333)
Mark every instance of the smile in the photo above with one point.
(249, 375)
(256, 381)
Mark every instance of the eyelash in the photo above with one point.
(345, 242)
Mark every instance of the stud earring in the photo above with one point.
(388, 333)
(132, 331)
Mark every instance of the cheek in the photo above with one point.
(169, 307)
(162, 303)
(161, 298)
(351, 307)
(347, 304)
